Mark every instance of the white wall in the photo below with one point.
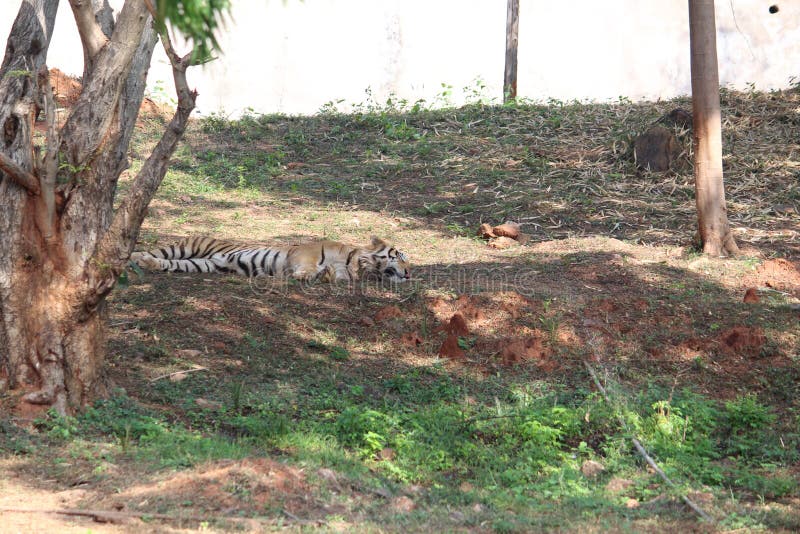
(293, 56)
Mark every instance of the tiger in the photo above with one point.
(322, 260)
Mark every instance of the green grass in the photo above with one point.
(514, 451)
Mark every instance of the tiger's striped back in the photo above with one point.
(195, 247)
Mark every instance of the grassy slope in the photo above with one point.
(351, 419)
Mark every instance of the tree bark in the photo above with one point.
(713, 227)
(512, 41)
(62, 246)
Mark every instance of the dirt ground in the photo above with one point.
(607, 277)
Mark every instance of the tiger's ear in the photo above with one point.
(377, 242)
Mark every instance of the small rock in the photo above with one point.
(450, 348)
(751, 296)
(656, 149)
(185, 199)
(503, 242)
(591, 469)
(178, 377)
(485, 231)
(402, 504)
(388, 312)
(507, 229)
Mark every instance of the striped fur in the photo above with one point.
(328, 260)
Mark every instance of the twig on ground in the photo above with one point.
(636, 443)
(179, 373)
(105, 516)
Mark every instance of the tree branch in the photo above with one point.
(92, 35)
(19, 175)
(93, 113)
(115, 247)
(641, 450)
(49, 168)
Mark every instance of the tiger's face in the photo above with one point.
(390, 263)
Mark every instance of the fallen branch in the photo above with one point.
(113, 516)
(187, 371)
(105, 516)
(640, 448)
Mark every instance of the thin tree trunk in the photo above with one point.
(714, 230)
(512, 40)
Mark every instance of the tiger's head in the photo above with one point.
(388, 262)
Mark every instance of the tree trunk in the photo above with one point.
(512, 41)
(62, 245)
(714, 230)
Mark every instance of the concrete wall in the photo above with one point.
(293, 56)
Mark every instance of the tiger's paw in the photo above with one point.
(145, 261)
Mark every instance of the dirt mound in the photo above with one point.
(66, 89)
(742, 340)
(457, 326)
(252, 484)
(451, 349)
(527, 349)
(779, 274)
